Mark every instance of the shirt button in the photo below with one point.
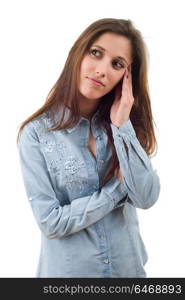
(102, 236)
(106, 261)
(98, 137)
(101, 161)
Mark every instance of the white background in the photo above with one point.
(36, 37)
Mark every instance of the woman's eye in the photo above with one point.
(94, 51)
(118, 64)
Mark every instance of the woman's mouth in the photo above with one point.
(95, 82)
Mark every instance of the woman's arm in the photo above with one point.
(142, 182)
(54, 220)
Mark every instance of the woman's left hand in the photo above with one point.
(121, 107)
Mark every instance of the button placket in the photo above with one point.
(102, 236)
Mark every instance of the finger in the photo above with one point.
(126, 79)
(130, 79)
(127, 73)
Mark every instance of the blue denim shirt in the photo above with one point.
(86, 231)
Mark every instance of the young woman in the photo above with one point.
(85, 157)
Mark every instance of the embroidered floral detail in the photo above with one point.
(77, 186)
(41, 127)
(49, 146)
(72, 165)
(73, 180)
(54, 166)
(62, 148)
(67, 169)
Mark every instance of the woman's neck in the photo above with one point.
(88, 108)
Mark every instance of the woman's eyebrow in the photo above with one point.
(120, 57)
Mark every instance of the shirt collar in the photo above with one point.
(67, 113)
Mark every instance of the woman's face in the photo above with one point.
(106, 61)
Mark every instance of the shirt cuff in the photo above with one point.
(125, 129)
(116, 190)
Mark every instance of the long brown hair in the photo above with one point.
(65, 91)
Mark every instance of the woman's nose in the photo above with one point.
(100, 74)
(101, 69)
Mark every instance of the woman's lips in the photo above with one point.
(95, 82)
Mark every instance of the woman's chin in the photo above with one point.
(91, 96)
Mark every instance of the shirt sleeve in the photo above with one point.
(54, 220)
(141, 180)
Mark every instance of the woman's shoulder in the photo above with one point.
(38, 126)
(43, 120)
